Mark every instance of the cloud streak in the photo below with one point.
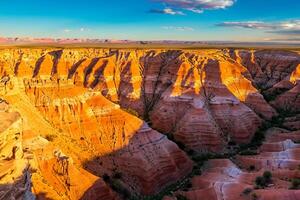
(167, 11)
(82, 29)
(283, 27)
(283, 39)
(196, 6)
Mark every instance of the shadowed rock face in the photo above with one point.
(77, 109)
(276, 73)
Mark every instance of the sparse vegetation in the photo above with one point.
(181, 197)
(117, 186)
(260, 182)
(257, 139)
(270, 96)
(181, 145)
(248, 152)
(231, 143)
(251, 167)
(295, 184)
(267, 176)
(264, 180)
(106, 177)
(254, 196)
(170, 136)
(117, 175)
(247, 191)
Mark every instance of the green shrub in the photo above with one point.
(187, 185)
(258, 138)
(295, 184)
(264, 180)
(180, 197)
(197, 172)
(106, 177)
(248, 152)
(170, 136)
(117, 175)
(231, 143)
(267, 176)
(260, 182)
(252, 167)
(190, 152)
(247, 191)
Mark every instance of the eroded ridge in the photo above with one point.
(74, 132)
(84, 115)
(270, 174)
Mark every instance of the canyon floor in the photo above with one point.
(127, 123)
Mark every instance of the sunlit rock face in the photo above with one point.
(77, 132)
(86, 113)
(14, 182)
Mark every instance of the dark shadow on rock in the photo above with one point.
(98, 74)
(16, 68)
(88, 70)
(270, 66)
(56, 56)
(19, 189)
(38, 66)
(148, 164)
(74, 68)
(42, 196)
(98, 192)
(125, 87)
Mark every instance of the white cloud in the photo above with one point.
(172, 12)
(195, 10)
(167, 11)
(198, 6)
(82, 29)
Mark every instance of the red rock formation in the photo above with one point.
(224, 180)
(82, 122)
(71, 103)
(268, 67)
(276, 73)
(148, 81)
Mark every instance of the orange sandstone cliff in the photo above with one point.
(73, 117)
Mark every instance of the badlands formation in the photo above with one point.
(141, 124)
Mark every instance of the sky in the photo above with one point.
(188, 20)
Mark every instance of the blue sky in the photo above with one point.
(240, 20)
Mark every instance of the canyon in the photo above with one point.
(100, 123)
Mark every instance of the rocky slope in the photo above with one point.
(222, 179)
(276, 73)
(91, 113)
